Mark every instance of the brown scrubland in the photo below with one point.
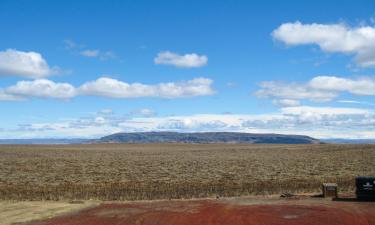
(169, 171)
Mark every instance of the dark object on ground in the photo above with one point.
(286, 195)
(206, 137)
(365, 187)
(329, 190)
(76, 202)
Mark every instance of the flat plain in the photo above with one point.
(174, 171)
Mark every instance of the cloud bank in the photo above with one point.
(113, 88)
(107, 87)
(41, 88)
(319, 122)
(318, 89)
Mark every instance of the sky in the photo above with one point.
(85, 69)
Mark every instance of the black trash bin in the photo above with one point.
(365, 187)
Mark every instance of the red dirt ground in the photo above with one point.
(223, 212)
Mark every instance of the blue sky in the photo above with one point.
(91, 68)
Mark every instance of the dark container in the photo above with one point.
(365, 187)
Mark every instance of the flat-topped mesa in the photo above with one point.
(206, 137)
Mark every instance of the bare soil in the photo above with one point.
(239, 211)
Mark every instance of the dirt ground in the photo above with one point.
(249, 211)
(18, 212)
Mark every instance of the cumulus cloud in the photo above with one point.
(182, 61)
(340, 38)
(318, 89)
(319, 122)
(360, 86)
(108, 87)
(41, 88)
(8, 97)
(23, 64)
(113, 88)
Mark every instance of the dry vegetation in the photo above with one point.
(163, 171)
(12, 213)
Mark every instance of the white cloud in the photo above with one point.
(106, 111)
(41, 88)
(106, 87)
(90, 53)
(319, 122)
(100, 120)
(293, 91)
(61, 129)
(183, 61)
(231, 84)
(360, 86)
(322, 111)
(356, 102)
(286, 102)
(8, 97)
(24, 64)
(145, 112)
(98, 54)
(340, 38)
(107, 55)
(318, 89)
(350, 101)
(70, 44)
(113, 88)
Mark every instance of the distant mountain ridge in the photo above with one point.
(206, 137)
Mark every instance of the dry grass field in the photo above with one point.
(165, 171)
